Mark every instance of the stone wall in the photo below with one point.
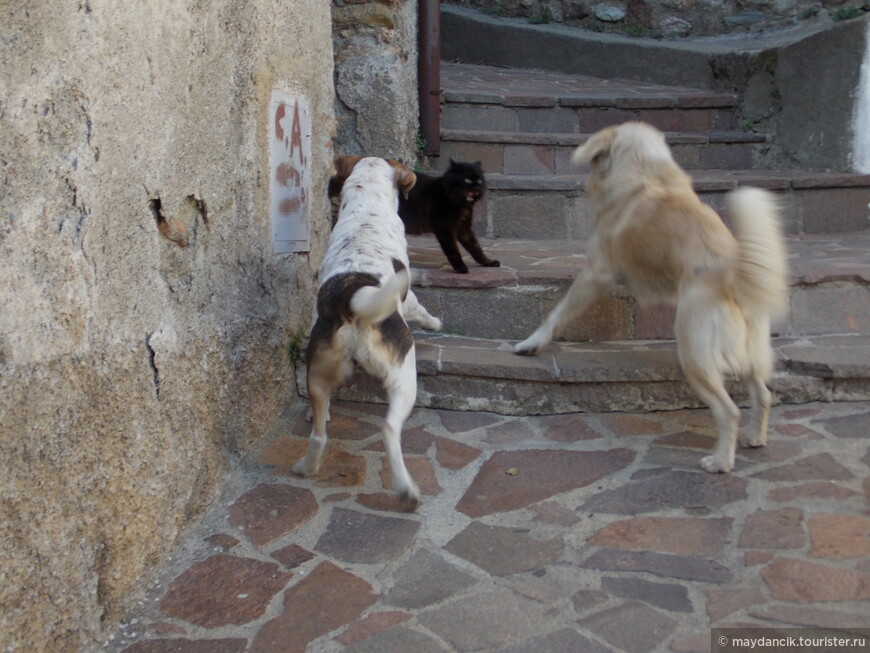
(673, 18)
(147, 328)
(376, 49)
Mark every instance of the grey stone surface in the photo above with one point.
(360, 537)
(399, 638)
(663, 488)
(566, 640)
(482, 621)
(632, 627)
(426, 579)
(661, 595)
(504, 551)
(658, 581)
(659, 564)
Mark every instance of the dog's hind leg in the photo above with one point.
(760, 358)
(581, 293)
(401, 386)
(326, 368)
(711, 389)
(761, 398)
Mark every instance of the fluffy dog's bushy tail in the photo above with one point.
(762, 267)
(375, 303)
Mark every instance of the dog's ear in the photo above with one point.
(403, 177)
(596, 149)
(343, 167)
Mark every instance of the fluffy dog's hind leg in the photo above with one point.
(761, 398)
(760, 357)
(711, 389)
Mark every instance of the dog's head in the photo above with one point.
(403, 177)
(629, 143)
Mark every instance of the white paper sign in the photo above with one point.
(289, 182)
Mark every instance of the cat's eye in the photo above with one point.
(468, 181)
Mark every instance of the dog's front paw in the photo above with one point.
(528, 347)
(716, 465)
(410, 498)
(492, 263)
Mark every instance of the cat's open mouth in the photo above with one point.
(471, 196)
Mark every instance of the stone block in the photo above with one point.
(529, 215)
(467, 116)
(830, 309)
(832, 210)
(528, 160)
(547, 120)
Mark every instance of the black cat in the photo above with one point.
(444, 206)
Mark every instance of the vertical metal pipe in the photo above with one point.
(429, 75)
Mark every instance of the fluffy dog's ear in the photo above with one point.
(403, 177)
(343, 167)
(596, 148)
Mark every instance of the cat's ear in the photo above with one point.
(403, 177)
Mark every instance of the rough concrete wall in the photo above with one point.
(861, 118)
(818, 81)
(133, 369)
(376, 77)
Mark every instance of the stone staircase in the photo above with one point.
(523, 125)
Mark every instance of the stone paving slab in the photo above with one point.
(581, 532)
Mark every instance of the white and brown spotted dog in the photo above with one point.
(363, 302)
(655, 236)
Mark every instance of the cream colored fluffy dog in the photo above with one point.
(654, 235)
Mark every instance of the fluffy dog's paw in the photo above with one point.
(304, 468)
(434, 325)
(716, 465)
(752, 442)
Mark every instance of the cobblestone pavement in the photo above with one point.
(578, 532)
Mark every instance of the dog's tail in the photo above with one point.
(372, 304)
(762, 268)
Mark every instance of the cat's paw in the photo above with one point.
(460, 269)
(492, 263)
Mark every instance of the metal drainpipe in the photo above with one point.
(429, 75)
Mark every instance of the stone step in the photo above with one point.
(535, 153)
(555, 206)
(515, 100)
(830, 290)
(477, 374)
